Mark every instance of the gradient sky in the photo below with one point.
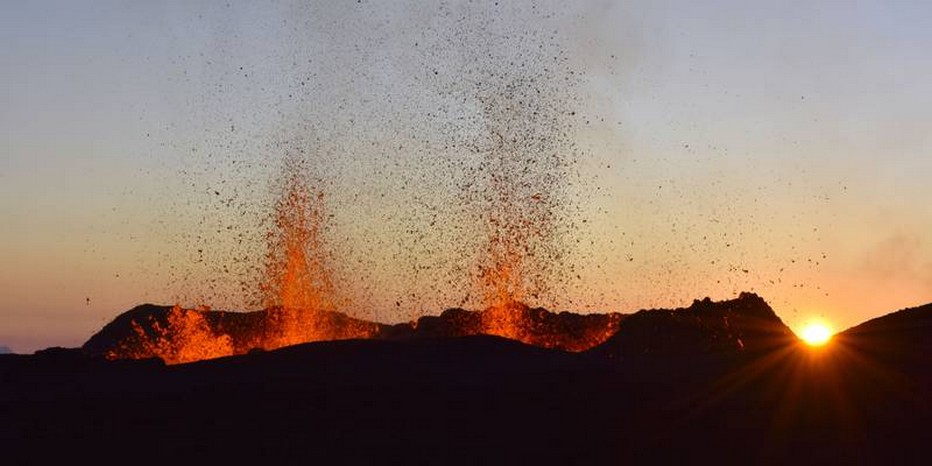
(778, 147)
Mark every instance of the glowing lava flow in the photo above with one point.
(519, 212)
(501, 276)
(185, 336)
(518, 163)
(298, 287)
(299, 291)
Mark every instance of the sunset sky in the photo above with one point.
(723, 146)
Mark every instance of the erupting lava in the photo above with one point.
(511, 132)
(298, 288)
(297, 291)
(185, 336)
(518, 191)
(509, 232)
(510, 142)
(516, 223)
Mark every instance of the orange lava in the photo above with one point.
(501, 283)
(516, 221)
(298, 287)
(186, 336)
(297, 290)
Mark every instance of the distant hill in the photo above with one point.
(5, 350)
(911, 326)
(745, 324)
(902, 337)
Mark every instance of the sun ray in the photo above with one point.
(816, 333)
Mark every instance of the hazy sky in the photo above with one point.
(778, 147)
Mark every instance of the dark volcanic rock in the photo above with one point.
(246, 331)
(901, 337)
(488, 400)
(743, 324)
(910, 327)
(535, 326)
(109, 338)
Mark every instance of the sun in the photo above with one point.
(816, 333)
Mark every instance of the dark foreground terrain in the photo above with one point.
(716, 383)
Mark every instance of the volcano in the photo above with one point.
(178, 335)
(743, 324)
(185, 335)
(729, 384)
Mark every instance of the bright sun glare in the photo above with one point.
(816, 333)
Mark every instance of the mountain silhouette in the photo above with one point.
(567, 331)
(743, 324)
(246, 330)
(892, 344)
(5, 350)
(905, 334)
(695, 396)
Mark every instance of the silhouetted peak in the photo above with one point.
(752, 300)
(905, 319)
(116, 330)
(902, 335)
(704, 302)
(745, 297)
(454, 313)
(741, 324)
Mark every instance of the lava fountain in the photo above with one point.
(518, 213)
(514, 225)
(298, 288)
(504, 125)
(517, 163)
